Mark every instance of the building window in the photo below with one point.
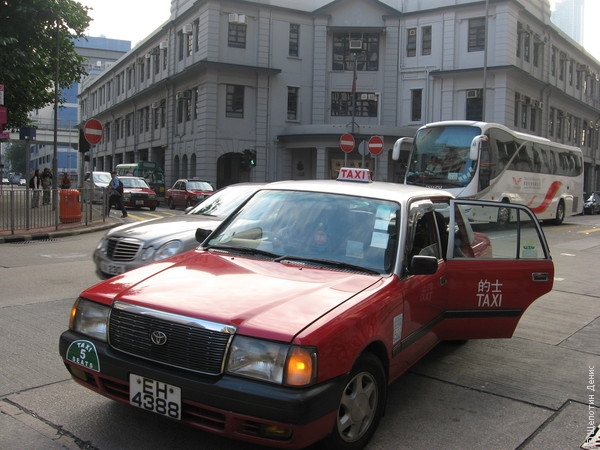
(571, 72)
(234, 101)
(526, 46)
(341, 104)
(560, 124)
(533, 118)
(237, 35)
(294, 42)
(553, 61)
(426, 40)
(416, 104)
(561, 66)
(292, 103)
(362, 47)
(551, 115)
(411, 42)
(516, 111)
(197, 30)
(196, 102)
(180, 44)
(536, 52)
(474, 105)
(476, 34)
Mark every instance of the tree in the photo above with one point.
(15, 155)
(33, 34)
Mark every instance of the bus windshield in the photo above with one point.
(440, 157)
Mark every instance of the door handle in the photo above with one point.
(540, 276)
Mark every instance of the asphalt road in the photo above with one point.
(528, 392)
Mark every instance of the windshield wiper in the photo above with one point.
(243, 250)
(328, 263)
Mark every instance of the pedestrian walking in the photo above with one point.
(65, 181)
(35, 183)
(115, 192)
(46, 185)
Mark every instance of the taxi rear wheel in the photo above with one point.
(361, 405)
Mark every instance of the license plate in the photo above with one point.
(156, 396)
(139, 202)
(111, 268)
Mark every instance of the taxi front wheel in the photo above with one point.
(361, 405)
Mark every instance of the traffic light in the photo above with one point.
(251, 158)
(248, 159)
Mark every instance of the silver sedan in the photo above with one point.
(133, 245)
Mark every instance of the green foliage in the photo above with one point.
(32, 34)
(15, 157)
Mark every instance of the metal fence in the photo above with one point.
(24, 209)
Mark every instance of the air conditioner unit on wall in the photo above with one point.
(187, 28)
(473, 93)
(233, 17)
(356, 44)
(163, 45)
(242, 19)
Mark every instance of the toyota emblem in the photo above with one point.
(158, 338)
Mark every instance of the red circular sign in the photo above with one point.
(92, 131)
(375, 145)
(347, 142)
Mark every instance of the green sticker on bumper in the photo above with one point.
(84, 353)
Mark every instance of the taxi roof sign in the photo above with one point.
(352, 174)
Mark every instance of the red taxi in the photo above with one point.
(188, 193)
(287, 324)
(137, 193)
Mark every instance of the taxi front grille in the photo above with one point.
(181, 342)
(122, 250)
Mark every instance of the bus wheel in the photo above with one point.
(560, 213)
(361, 405)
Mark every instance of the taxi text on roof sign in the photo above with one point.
(348, 174)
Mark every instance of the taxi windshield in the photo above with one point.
(345, 230)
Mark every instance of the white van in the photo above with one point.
(97, 190)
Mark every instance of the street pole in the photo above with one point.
(55, 150)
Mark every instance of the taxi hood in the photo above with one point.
(262, 298)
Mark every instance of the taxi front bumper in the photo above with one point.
(225, 405)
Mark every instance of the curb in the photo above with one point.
(57, 233)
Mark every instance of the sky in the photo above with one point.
(133, 20)
(130, 20)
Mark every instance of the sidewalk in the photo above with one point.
(94, 223)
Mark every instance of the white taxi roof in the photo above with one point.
(376, 189)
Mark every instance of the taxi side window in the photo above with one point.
(425, 236)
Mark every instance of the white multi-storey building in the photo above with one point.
(279, 78)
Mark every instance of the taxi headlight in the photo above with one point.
(89, 318)
(166, 250)
(272, 361)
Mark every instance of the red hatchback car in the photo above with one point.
(188, 192)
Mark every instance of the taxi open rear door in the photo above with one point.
(496, 268)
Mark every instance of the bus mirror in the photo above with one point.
(398, 145)
(475, 144)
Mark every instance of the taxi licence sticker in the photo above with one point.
(84, 354)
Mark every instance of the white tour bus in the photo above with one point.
(488, 161)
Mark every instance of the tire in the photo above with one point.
(560, 213)
(361, 405)
(171, 203)
(153, 208)
(188, 203)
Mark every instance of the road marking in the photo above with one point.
(592, 230)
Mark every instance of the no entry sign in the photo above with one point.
(347, 142)
(92, 131)
(375, 145)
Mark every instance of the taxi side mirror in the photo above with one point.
(423, 265)
(202, 234)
